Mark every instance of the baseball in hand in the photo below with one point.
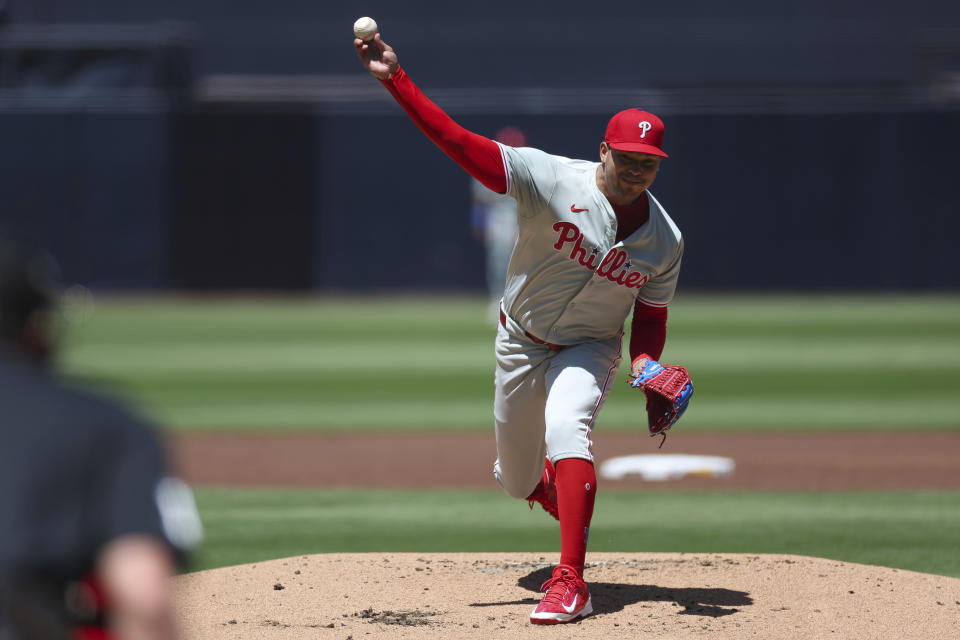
(365, 28)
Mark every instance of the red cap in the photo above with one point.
(636, 130)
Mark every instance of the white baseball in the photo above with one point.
(365, 28)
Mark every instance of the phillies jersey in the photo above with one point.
(569, 280)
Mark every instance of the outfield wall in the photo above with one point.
(177, 146)
(563, 43)
(227, 198)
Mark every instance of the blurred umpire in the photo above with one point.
(91, 526)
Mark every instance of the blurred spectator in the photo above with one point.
(493, 217)
(91, 525)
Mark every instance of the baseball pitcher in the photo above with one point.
(593, 244)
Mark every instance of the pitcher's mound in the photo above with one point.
(473, 595)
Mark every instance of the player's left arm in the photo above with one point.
(648, 333)
(667, 388)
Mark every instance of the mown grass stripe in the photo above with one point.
(731, 355)
(909, 530)
(476, 415)
(758, 362)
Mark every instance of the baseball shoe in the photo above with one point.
(546, 492)
(566, 600)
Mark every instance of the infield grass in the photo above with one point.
(907, 530)
(758, 362)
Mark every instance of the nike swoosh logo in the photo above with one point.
(574, 209)
(572, 606)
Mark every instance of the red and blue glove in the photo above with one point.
(668, 389)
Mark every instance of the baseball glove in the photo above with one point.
(668, 389)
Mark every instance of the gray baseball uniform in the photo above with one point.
(570, 285)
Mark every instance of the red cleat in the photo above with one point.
(567, 598)
(546, 492)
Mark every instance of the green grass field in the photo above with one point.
(913, 530)
(381, 364)
(769, 362)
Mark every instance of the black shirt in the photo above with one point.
(76, 471)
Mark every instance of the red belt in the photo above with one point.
(548, 345)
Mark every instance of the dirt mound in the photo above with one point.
(472, 595)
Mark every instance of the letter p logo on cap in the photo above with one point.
(636, 130)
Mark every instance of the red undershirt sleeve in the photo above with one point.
(479, 156)
(648, 332)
